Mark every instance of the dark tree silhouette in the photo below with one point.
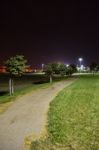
(15, 66)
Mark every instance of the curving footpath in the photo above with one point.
(26, 116)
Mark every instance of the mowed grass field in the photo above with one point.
(73, 118)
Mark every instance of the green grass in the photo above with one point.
(73, 118)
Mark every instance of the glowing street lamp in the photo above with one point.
(67, 65)
(80, 61)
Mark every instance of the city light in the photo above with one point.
(80, 60)
(67, 65)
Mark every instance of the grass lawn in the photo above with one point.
(73, 118)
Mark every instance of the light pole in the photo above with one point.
(42, 67)
(80, 61)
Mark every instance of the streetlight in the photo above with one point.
(80, 61)
(42, 67)
(67, 65)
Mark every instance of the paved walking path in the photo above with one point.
(26, 116)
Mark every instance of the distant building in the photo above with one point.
(28, 70)
(83, 68)
(3, 69)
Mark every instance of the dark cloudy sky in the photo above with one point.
(47, 31)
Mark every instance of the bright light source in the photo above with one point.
(80, 65)
(80, 59)
(67, 65)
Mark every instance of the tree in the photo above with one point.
(58, 68)
(93, 67)
(71, 69)
(49, 71)
(55, 68)
(62, 69)
(15, 66)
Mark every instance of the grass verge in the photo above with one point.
(73, 118)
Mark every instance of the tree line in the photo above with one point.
(17, 64)
(57, 68)
(94, 67)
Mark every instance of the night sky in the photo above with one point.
(46, 31)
